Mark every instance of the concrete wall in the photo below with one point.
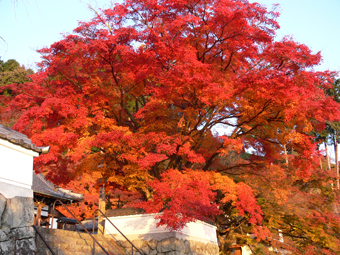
(195, 238)
(171, 246)
(246, 250)
(146, 224)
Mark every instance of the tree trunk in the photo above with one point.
(101, 206)
(336, 159)
(320, 162)
(328, 163)
(327, 158)
(286, 156)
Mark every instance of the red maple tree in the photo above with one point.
(135, 95)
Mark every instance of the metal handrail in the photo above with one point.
(43, 239)
(133, 246)
(94, 239)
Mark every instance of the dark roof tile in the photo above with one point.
(19, 139)
(42, 186)
(123, 212)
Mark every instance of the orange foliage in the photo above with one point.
(133, 98)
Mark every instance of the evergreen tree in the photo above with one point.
(333, 128)
(12, 73)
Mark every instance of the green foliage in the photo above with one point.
(332, 131)
(11, 72)
(95, 149)
(10, 65)
(335, 91)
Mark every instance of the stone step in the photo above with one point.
(73, 247)
(64, 233)
(64, 242)
(47, 252)
(74, 240)
(72, 234)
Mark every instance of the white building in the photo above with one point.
(16, 163)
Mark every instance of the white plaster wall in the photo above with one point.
(16, 165)
(55, 223)
(10, 190)
(246, 250)
(146, 224)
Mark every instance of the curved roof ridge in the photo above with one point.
(43, 186)
(20, 139)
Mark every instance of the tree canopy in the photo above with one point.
(11, 72)
(134, 97)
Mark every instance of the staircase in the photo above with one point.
(64, 242)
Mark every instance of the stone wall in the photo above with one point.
(16, 219)
(173, 246)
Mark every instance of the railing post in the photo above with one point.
(101, 205)
(42, 238)
(133, 246)
(94, 243)
(78, 223)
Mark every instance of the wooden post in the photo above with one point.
(37, 218)
(102, 204)
(336, 148)
(286, 156)
(328, 162)
(327, 158)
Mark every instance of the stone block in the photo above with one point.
(192, 245)
(179, 245)
(187, 246)
(19, 212)
(152, 244)
(171, 244)
(164, 245)
(7, 248)
(199, 247)
(125, 244)
(26, 247)
(24, 233)
(139, 243)
(175, 253)
(3, 202)
(145, 249)
(3, 236)
(6, 230)
(153, 252)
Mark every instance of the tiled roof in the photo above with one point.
(42, 186)
(20, 139)
(123, 212)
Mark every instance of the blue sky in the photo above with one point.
(315, 23)
(28, 25)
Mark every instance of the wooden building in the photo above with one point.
(45, 194)
(17, 177)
